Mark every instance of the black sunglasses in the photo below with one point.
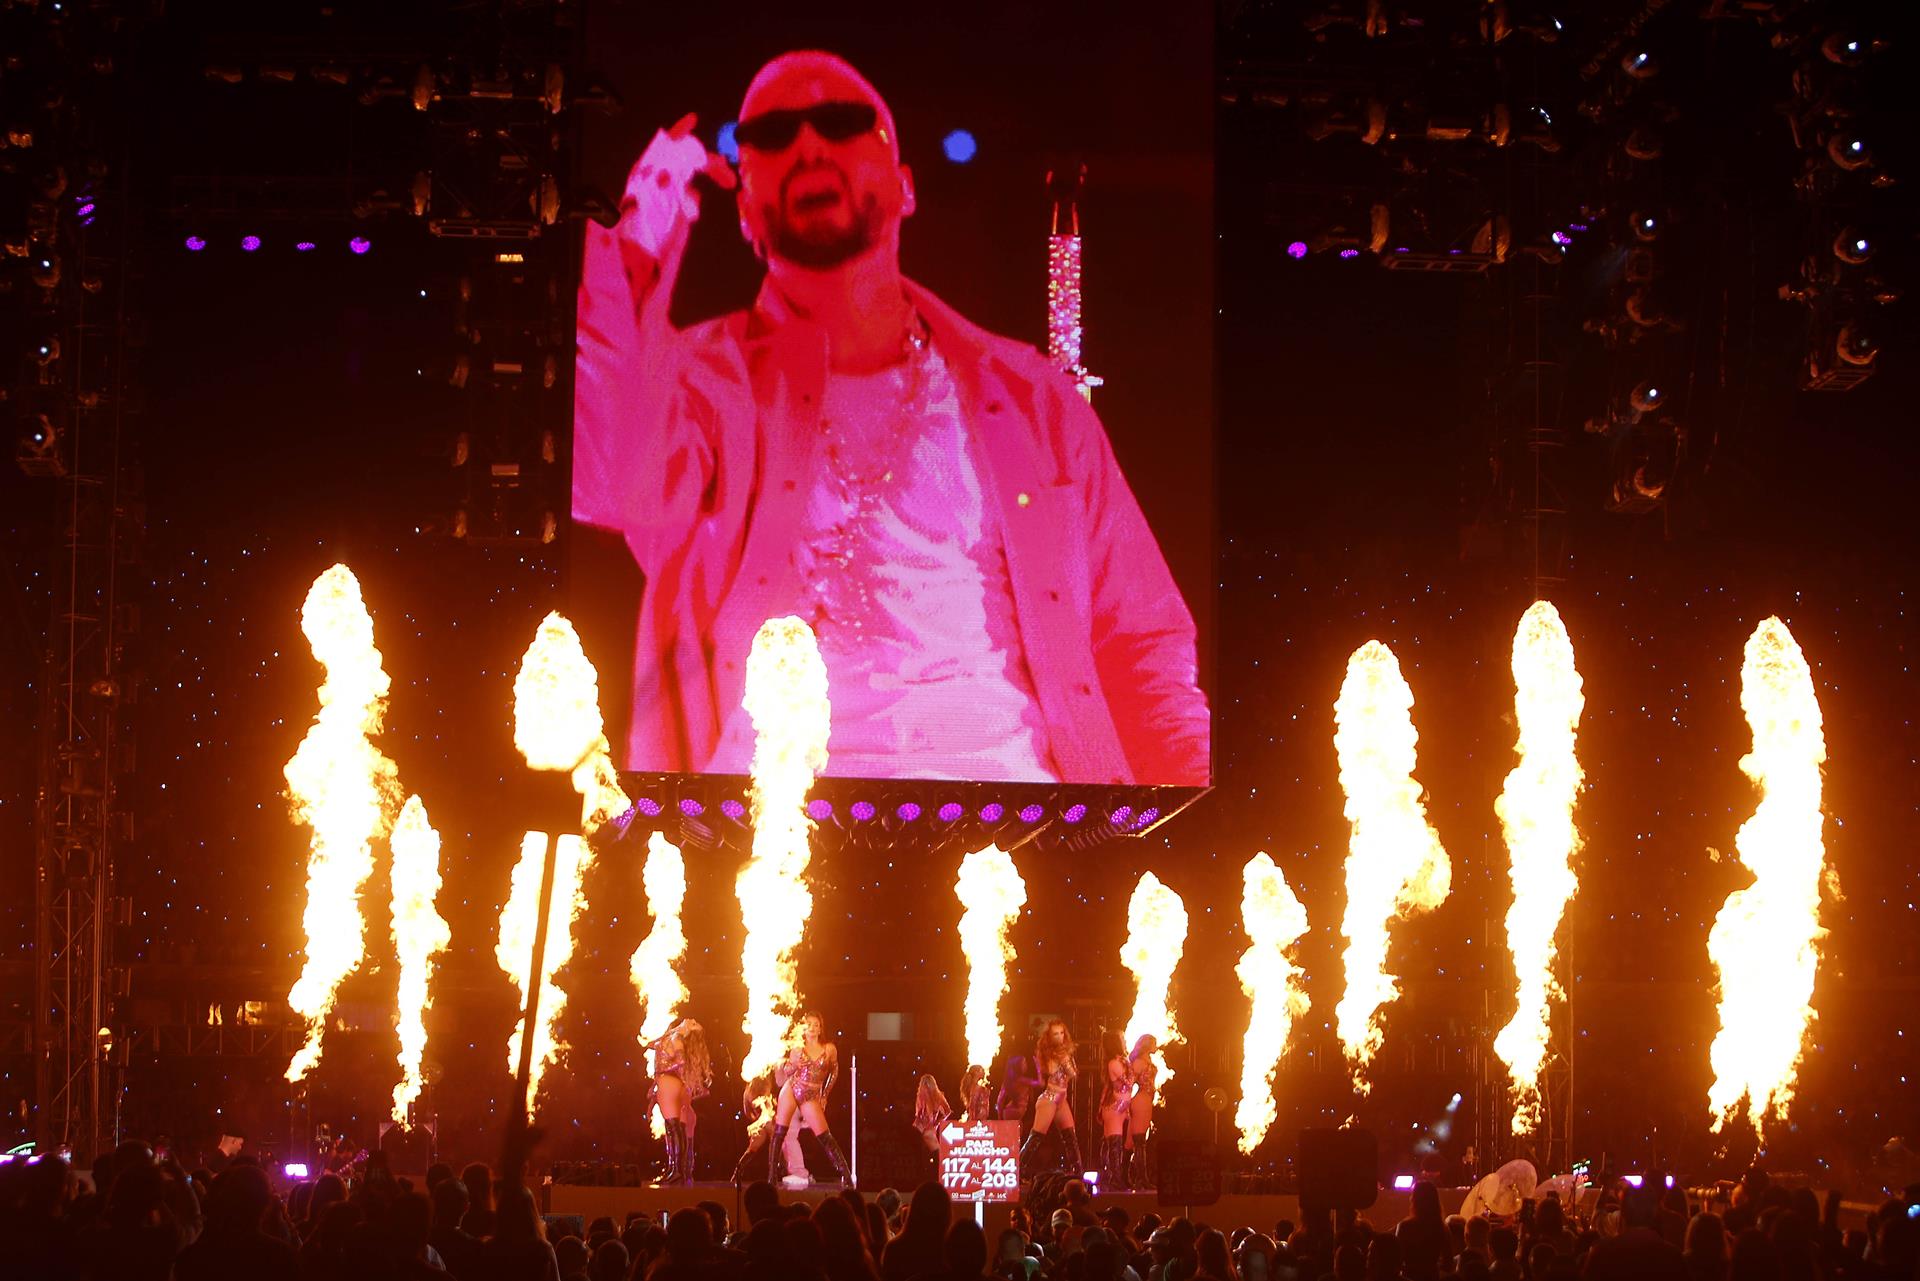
(833, 121)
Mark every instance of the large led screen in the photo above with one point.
(905, 329)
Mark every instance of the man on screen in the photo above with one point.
(939, 503)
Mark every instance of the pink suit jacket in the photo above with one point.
(698, 446)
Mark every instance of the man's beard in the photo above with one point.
(823, 246)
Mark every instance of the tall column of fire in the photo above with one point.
(1536, 814)
(991, 895)
(345, 790)
(557, 726)
(1156, 938)
(420, 935)
(786, 697)
(1274, 919)
(1765, 941)
(655, 966)
(1396, 865)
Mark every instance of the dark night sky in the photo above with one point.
(282, 434)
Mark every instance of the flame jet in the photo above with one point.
(1396, 865)
(514, 951)
(1765, 941)
(786, 697)
(655, 966)
(1536, 814)
(1274, 920)
(991, 895)
(1156, 938)
(420, 935)
(345, 790)
(556, 726)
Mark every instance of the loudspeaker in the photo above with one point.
(1339, 1169)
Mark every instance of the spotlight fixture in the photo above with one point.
(1855, 346)
(1849, 152)
(1852, 246)
(196, 243)
(1647, 396)
(37, 451)
(1646, 226)
(1844, 49)
(1640, 65)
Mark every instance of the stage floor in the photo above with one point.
(1258, 1212)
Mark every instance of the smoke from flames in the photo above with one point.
(786, 697)
(1396, 865)
(991, 895)
(1765, 941)
(1156, 937)
(1274, 919)
(419, 935)
(1536, 815)
(345, 790)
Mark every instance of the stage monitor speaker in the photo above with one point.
(1338, 1169)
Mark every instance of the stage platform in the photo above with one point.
(1260, 1212)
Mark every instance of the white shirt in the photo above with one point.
(909, 596)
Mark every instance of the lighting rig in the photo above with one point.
(1841, 186)
(72, 403)
(1638, 327)
(467, 140)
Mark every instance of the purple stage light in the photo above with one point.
(359, 244)
(648, 806)
(1032, 813)
(908, 811)
(1120, 816)
(1075, 813)
(819, 809)
(691, 808)
(1297, 250)
(1576, 226)
(305, 246)
(950, 812)
(195, 244)
(733, 809)
(1145, 816)
(862, 811)
(1349, 253)
(992, 812)
(1562, 238)
(249, 243)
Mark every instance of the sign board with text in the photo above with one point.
(980, 1161)
(1190, 1172)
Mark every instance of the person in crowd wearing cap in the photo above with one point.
(939, 503)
